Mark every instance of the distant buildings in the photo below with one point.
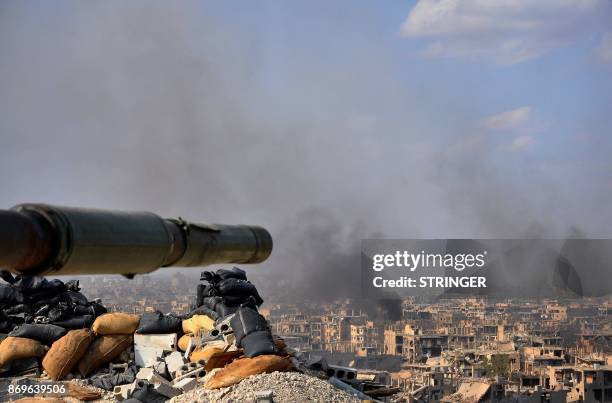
(543, 351)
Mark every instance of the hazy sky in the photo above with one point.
(323, 121)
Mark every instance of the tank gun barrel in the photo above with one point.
(38, 239)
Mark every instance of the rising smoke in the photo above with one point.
(171, 108)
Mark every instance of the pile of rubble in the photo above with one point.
(55, 333)
(279, 387)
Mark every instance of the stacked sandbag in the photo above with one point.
(47, 334)
(31, 299)
(194, 326)
(103, 350)
(16, 348)
(158, 323)
(225, 290)
(234, 299)
(114, 334)
(116, 323)
(252, 333)
(66, 352)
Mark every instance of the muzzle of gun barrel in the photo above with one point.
(44, 239)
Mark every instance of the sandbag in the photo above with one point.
(59, 312)
(102, 351)
(202, 310)
(222, 274)
(94, 309)
(77, 298)
(8, 323)
(198, 322)
(44, 333)
(10, 294)
(183, 342)
(234, 272)
(242, 368)
(116, 323)
(236, 287)
(37, 284)
(18, 309)
(206, 351)
(66, 352)
(158, 323)
(252, 332)
(245, 321)
(258, 343)
(221, 359)
(217, 305)
(116, 378)
(76, 322)
(16, 348)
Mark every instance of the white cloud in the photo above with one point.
(507, 31)
(509, 120)
(604, 51)
(522, 143)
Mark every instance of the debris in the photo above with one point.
(149, 348)
(264, 396)
(198, 373)
(174, 361)
(149, 375)
(166, 389)
(348, 388)
(114, 378)
(146, 393)
(288, 387)
(82, 393)
(186, 384)
(124, 391)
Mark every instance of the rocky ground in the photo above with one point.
(288, 387)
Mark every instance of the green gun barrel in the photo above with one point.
(38, 239)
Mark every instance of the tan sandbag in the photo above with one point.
(66, 352)
(198, 322)
(204, 353)
(207, 350)
(16, 348)
(242, 368)
(116, 323)
(102, 351)
(183, 342)
(221, 358)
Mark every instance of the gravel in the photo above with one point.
(288, 387)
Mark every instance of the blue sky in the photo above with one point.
(403, 118)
